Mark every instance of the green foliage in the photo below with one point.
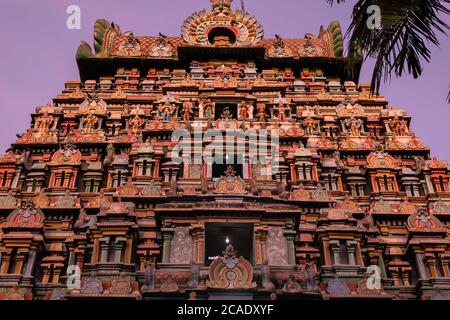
(401, 45)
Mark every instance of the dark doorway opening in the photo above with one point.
(240, 236)
(219, 168)
(221, 33)
(225, 111)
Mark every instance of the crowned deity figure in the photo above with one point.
(187, 111)
(261, 114)
(354, 126)
(226, 114)
(89, 122)
(281, 109)
(398, 126)
(244, 110)
(136, 124)
(44, 122)
(166, 110)
(310, 125)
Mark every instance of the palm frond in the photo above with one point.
(331, 2)
(401, 45)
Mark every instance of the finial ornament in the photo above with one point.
(221, 4)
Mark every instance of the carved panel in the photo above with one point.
(276, 244)
(181, 247)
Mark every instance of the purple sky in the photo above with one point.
(38, 53)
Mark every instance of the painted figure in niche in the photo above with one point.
(310, 126)
(244, 110)
(354, 126)
(90, 122)
(136, 124)
(166, 110)
(44, 122)
(261, 114)
(398, 127)
(276, 247)
(226, 114)
(282, 108)
(206, 109)
(187, 111)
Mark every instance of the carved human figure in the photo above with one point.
(207, 109)
(166, 110)
(276, 247)
(181, 246)
(226, 114)
(187, 111)
(261, 114)
(244, 110)
(310, 125)
(281, 109)
(398, 126)
(136, 124)
(44, 122)
(90, 122)
(354, 126)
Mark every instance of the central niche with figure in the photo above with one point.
(226, 111)
(233, 161)
(222, 37)
(218, 235)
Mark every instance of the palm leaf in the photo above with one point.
(401, 45)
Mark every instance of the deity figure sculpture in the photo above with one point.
(44, 122)
(166, 110)
(187, 111)
(89, 122)
(131, 47)
(282, 108)
(354, 126)
(136, 124)
(310, 125)
(226, 114)
(398, 127)
(206, 109)
(244, 110)
(261, 114)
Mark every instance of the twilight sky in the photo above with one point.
(38, 53)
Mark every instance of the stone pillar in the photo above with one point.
(5, 263)
(18, 268)
(128, 251)
(260, 236)
(104, 248)
(351, 249)
(445, 259)
(327, 252)
(119, 249)
(421, 266)
(335, 250)
(405, 276)
(431, 263)
(167, 234)
(198, 235)
(30, 263)
(290, 237)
